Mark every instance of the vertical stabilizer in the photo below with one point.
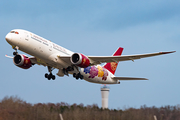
(113, 65)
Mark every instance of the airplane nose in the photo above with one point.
(8, 37)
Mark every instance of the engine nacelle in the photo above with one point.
(80, 60)
(22, 61)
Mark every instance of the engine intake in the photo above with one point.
(22, 61)
(80, 60)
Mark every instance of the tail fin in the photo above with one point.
(113, 65)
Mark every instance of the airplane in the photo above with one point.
(46, 53)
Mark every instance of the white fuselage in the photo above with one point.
(50, 53)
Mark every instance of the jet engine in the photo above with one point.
(22, 61)
(80, 60)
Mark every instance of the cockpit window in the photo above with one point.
(14, 32)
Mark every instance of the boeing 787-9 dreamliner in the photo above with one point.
(47, 53)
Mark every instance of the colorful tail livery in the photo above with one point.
(105, 74)
(113, 65)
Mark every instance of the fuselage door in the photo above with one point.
(50, 46)
(26, 36)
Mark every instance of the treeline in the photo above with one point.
(13, 108)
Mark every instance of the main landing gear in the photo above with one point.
(50, 75)
(66, 70)
(77, 76)
(72, 68)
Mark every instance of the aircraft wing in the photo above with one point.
(101, 59)
(128, 78)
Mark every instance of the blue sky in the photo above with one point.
(97, 27)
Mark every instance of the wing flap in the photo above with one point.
(128, 78)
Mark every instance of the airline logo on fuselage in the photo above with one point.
(45, 42)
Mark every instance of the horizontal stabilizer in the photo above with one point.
(128, 78)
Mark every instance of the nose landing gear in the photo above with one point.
(15, 48)
(15, 53)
